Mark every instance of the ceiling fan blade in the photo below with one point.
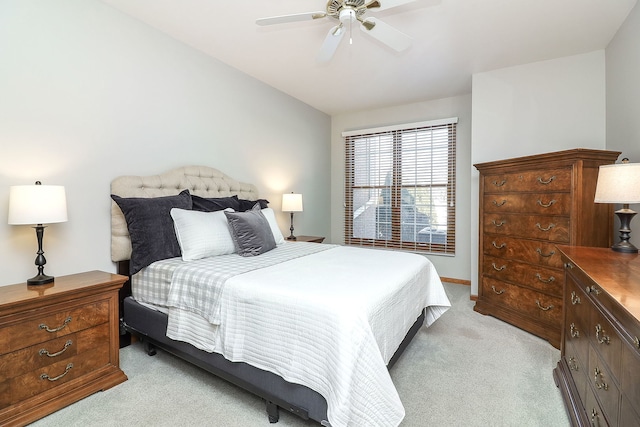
(330, 43)
(386, 34)
(378, 5)
(307, 16)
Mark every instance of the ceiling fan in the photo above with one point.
(347, 13)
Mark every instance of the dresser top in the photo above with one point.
(553, 159)
(615, 272)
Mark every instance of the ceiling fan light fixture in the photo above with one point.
(347, 16)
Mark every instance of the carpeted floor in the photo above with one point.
(465, 370)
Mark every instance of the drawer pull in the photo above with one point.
(45, 352)
(66, 371)
(498, 204)
(541, 228)
(547, 182)
(597, 377)
(500, 292)
(499, 184)
(493, 264)
(595, 420)
(573, 365)
(495, 245)
(575, 333)
(498, 224)
(593, 290)
(59, 328)
(575, 299)
(569, 266)
(546, 205)
(605, 338)
(552, 253)
(547, 308)
(549, 280)
(636, 342)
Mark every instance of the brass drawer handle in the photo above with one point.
(636, 342)
(493, 264)
(549, 280)
(498, 224)
(498, 204)
(593, 290)
(573, 365)
(500, 292)
(575, 299)
(546, 205)
(45, 352)
(547, 308)
(541, 228)
(59, 328)
(605, 338)
(499, 184)
(575, 333)
(66, 371)
(547, 182)
(595, 420)
(495, 245)
(600, 384)
(552, 253)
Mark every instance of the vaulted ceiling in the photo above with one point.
(452, 39)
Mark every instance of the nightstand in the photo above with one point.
(312, 239)
(58, 344)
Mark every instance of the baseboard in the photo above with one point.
(456, 281)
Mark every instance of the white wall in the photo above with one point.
(456, 267)
(623, 100)
(535, 108)
(88, 93)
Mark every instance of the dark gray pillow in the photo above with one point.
(251, 232)
(151, 229)
(213, 204)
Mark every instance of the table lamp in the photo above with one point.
(620, 183)
(291, 203)
(37, 204)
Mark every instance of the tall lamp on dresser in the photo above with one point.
(527, 206)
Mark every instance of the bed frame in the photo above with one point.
(149, 325)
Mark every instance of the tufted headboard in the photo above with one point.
(199, 180)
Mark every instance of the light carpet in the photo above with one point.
(465, 370)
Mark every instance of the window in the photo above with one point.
(400, 187)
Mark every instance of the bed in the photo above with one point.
(311, 328)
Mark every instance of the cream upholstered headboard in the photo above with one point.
(199, 180)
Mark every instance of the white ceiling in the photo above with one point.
(453, 39)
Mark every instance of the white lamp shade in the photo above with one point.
(37, 204)
(292, 202)
(619, 183)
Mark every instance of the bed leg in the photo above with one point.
(273, 412)
(149, 348)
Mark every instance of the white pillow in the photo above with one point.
(271, 218)
(202, 234)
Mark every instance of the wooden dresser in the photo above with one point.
(527, 206)
(599, 371)
(58, 344)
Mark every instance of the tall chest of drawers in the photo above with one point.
(527, 206)
(58, 344)
(599, 370)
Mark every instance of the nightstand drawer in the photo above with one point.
(37, 381)
(50, 352)
(41, 328)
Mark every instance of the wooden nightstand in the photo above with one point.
(58, 344)
(313, 239)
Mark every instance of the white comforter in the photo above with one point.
(330, 321)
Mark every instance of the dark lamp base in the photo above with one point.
(40, 279)
(625, 247)
(292, 237)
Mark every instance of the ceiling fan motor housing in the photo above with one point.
(346, 11)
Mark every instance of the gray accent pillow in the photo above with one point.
(251, 232)
(153, 236)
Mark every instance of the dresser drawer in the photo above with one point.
(543, 279)
(535, 203)
(551, 228)
(40, 328)
(595, 414)
(606, 341)
(49, 352)
(533, 180)
(628, 416)
(630, 378)
(536, 305)
(531, 251)
(579, 367)
(604, 386)
(37, 381)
